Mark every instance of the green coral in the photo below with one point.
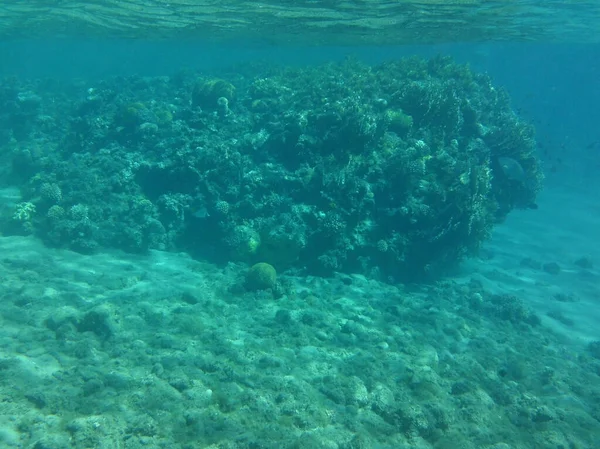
(24, 212)
(244, 243)
(131, 114)
(164, 117)
(23, 218)
(261, 276)
(207, 93)
(397, 121)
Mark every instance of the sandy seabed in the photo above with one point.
(162, 351)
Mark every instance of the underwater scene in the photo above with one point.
(299, 224)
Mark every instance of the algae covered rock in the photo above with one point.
(261, 276)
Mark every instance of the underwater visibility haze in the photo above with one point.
(299, 224)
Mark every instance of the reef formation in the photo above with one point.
(397, 171)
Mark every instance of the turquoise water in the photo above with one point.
(273, 245)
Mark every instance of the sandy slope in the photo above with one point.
(565, 228)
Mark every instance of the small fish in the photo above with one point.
(512, 169)
(202, 212)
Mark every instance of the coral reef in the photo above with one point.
(397, 171)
